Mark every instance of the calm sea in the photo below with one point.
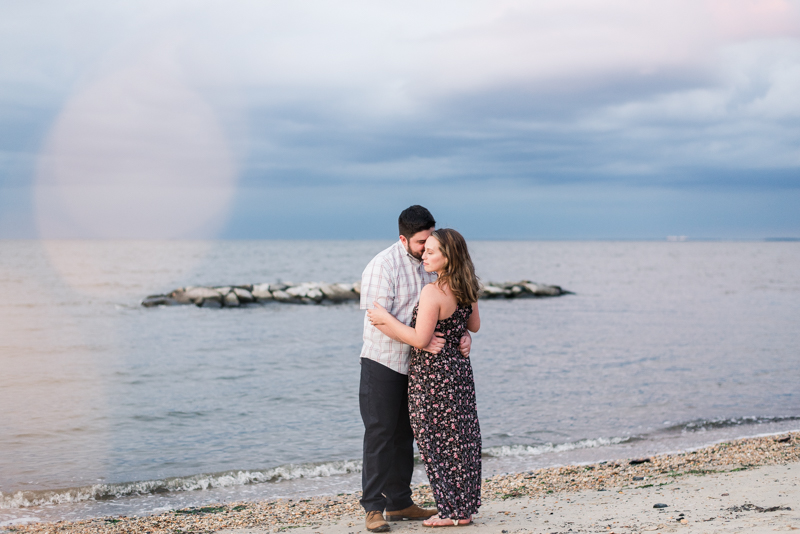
(109, 408)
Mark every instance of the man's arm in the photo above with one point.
(377, 284)
(473, 325)
(436, 344)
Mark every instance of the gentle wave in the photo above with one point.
(24, 499)
(698, 425)
(701, 425)
(535, 450)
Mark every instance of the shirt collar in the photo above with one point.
(414, 261)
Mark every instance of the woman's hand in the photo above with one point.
(378, 316)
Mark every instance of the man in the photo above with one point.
(394, 278)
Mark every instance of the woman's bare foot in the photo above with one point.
(436, 521)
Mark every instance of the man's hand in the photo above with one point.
(465, 345)
(436, 344)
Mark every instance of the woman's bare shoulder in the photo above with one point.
(431, 292)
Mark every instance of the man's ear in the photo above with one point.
(404, 241)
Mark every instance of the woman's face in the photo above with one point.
(432, 258)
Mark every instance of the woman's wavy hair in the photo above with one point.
(459, 273)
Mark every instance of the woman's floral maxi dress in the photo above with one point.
(444, 416)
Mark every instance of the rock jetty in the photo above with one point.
(318, 293)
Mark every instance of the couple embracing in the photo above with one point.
(416, 378)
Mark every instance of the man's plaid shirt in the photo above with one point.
(395, 279)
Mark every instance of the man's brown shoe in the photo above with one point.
(413, 512)
(376, 522)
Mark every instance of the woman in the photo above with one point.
(441, 389)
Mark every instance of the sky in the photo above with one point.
(554, 119)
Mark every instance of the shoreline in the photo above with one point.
(731, 460)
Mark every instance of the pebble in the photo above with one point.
(290, 513)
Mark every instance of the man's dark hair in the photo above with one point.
(415, 219)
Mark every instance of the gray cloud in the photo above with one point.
(546, 103)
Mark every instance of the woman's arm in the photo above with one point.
(474, 321)
(385, 330)
(427, 315)
(434, 347)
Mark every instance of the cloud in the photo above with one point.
(181, 103)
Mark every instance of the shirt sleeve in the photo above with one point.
(377, 283)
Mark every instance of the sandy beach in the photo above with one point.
(763, 499)
(749, 485)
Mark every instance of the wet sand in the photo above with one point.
(750, 485)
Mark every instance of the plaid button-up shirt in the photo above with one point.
(395, 279)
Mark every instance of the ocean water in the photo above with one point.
(110, 408)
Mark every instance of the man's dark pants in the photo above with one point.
(388, 438)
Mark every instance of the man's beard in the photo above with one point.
(408, 249)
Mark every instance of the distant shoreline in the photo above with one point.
(660, 239)
(737, 458)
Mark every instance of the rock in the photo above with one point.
(638, 478)
(283, 296)
(490, 292)
(159, 300)
(309, 290)
(315, 294)
(541, 290)
(338, 292)
(639, 461)
(659, 505)
(231, 300)
(262, 292)
(198, 295)
(210, 303)
(180, 296)
(354, 288)
(244, 296)
(299, 291)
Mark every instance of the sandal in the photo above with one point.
(431, 522)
